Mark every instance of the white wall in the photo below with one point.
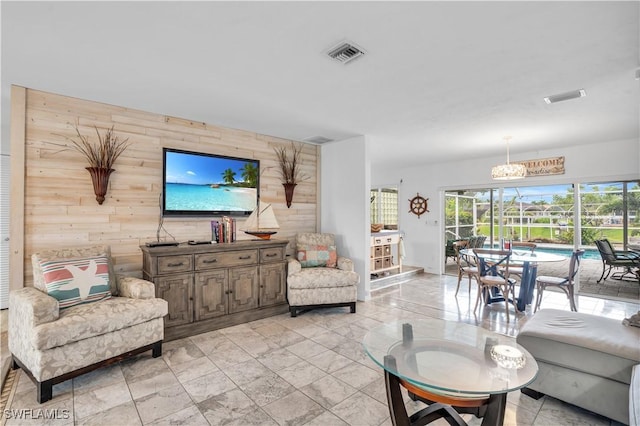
(424, 240)
(344, 202)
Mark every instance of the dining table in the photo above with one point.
(529, 262)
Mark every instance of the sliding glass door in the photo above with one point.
(547, 214)
(610, 210)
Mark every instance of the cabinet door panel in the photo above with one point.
(177, 291)
(243, 287)
(272, 284)
(211, 294)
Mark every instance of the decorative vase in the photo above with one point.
(288, 192)
(100, 178)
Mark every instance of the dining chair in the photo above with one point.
(565, 283)
(466, 267)
(493, 273)
(520, 246)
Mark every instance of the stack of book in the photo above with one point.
(224, 230)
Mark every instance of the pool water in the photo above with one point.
(566, 252)
(588, 253)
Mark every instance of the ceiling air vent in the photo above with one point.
(574, 94)
(345, 52)
(317, 139)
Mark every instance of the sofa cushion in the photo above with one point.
(634, 396)
(322, 278)
(314, 255)
(75, 281)
(94, 319)
(588, 343)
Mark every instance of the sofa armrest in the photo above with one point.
(135, 288)
(345, 264)
(31, 307)
(293, 267)
(28, 308)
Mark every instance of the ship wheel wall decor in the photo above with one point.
(418, 205)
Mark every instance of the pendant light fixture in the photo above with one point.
(508, 171)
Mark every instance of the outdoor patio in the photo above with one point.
(590, 271)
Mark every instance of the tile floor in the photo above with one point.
(309, 370)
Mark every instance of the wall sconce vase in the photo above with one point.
(288, 192)
(100, 178)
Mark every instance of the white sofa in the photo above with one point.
(53, 345)
(585, 360)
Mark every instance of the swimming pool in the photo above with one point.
(566, 252)
(588, 253)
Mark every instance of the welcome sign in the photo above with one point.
(544, 166)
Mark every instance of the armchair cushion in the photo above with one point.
(313, 255)
(322, 278)
(95, 319)
(77, 280)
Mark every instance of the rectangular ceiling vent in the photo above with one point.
(574, 94)
(317, 139)
(345, 52)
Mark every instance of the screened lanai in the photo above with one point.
(558, 218)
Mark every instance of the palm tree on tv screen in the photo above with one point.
(229, 176)
(250, 174)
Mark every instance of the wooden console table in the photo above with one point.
(211, 286)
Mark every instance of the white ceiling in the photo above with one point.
(440, 80)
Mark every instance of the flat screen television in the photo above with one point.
(201, 184)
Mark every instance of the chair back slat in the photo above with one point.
(500, 258)
(460, 259)
(574, 265)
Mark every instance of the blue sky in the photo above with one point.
(199, 169)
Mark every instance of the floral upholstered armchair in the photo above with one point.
(80, 316)
(318, 277)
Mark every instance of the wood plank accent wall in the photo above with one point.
(60, 209)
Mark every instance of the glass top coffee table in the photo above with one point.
(454, 367)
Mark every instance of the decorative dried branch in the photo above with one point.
(102, 154)
(290, 166)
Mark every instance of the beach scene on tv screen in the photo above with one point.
(203, 183)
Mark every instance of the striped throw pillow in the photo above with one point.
(77, 281)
